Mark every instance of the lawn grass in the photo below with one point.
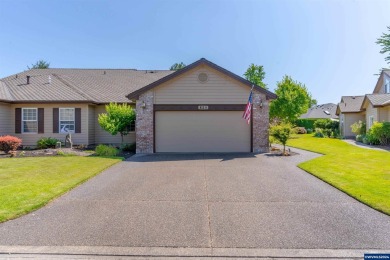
(362, 173)
(27, 184)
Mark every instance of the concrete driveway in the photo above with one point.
(203, 201)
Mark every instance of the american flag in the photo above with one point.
(248, 109)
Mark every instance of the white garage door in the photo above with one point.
(201, 131)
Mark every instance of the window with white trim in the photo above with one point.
(30, 120)
(370, 121)
(67, 120)
(387, 86)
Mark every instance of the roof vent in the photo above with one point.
(104, 72)
(202, 77)
(49, 79)
(28, 79)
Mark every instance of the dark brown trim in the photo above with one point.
(18, 120)
(56, 122)
(41, 120)
(77, 119)
(210, 107)
(135, 94)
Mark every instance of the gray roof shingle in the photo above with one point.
(351, 104)
(321, 111)
(379, 99)
(81, 85)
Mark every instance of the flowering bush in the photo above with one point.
(9, 143)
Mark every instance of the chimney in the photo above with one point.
(28, 79)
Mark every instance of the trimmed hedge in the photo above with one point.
(306, 123)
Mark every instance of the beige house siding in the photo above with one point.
(380, 88)
(349, 119)
(103, 137)
(186, 89)
(371, 111)
(383, 114)
(5, 119)
(31, 139)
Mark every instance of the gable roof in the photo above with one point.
(76, 85)
(377, 100)
(135, 94)
(350, 104)
(321, 111)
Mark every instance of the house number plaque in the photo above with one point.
(203, 107)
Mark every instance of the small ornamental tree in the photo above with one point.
(117, 119)
(359, 127)
(281, 133)
(9, 143)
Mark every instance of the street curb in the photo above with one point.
(14, 251)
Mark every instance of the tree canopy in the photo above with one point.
(384, 42)
(177, 66)
(117, 119)
(41, 64)
(256, 75)
(293, 100)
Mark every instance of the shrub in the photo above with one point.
(309, 130)
(281, 133)
(104, 150)
(306, 123)
(329, 127)
(359, 128)
(128, 147)
(359, 138)
(60, 152)
(381, 132)
(318, 133)
(9, 143)
(47, 142)
(300, 130)
(371, 139)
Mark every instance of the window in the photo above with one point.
(30, 120)
(387, 86)
(370, 121)
(131, 127)
(67, 124)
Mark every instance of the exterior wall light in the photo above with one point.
(143, 105)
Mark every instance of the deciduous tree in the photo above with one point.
(41, 64)
(256, 75)
(118, 119)
(177, 66)
(293, 100)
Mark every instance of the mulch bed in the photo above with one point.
(55, 152)
(275, 151)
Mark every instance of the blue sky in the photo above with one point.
(327, 45)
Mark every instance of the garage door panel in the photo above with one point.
(201, 131)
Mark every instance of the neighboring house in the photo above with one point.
(195, 109)
(370, 108)
(349, 112)
(324, 111)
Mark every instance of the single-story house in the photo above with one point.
(324, 111)
(368, 108)
(196, 109)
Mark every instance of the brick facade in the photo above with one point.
(260, 123)
(144, 123)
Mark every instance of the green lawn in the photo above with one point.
(27, 184)
(362, 173)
